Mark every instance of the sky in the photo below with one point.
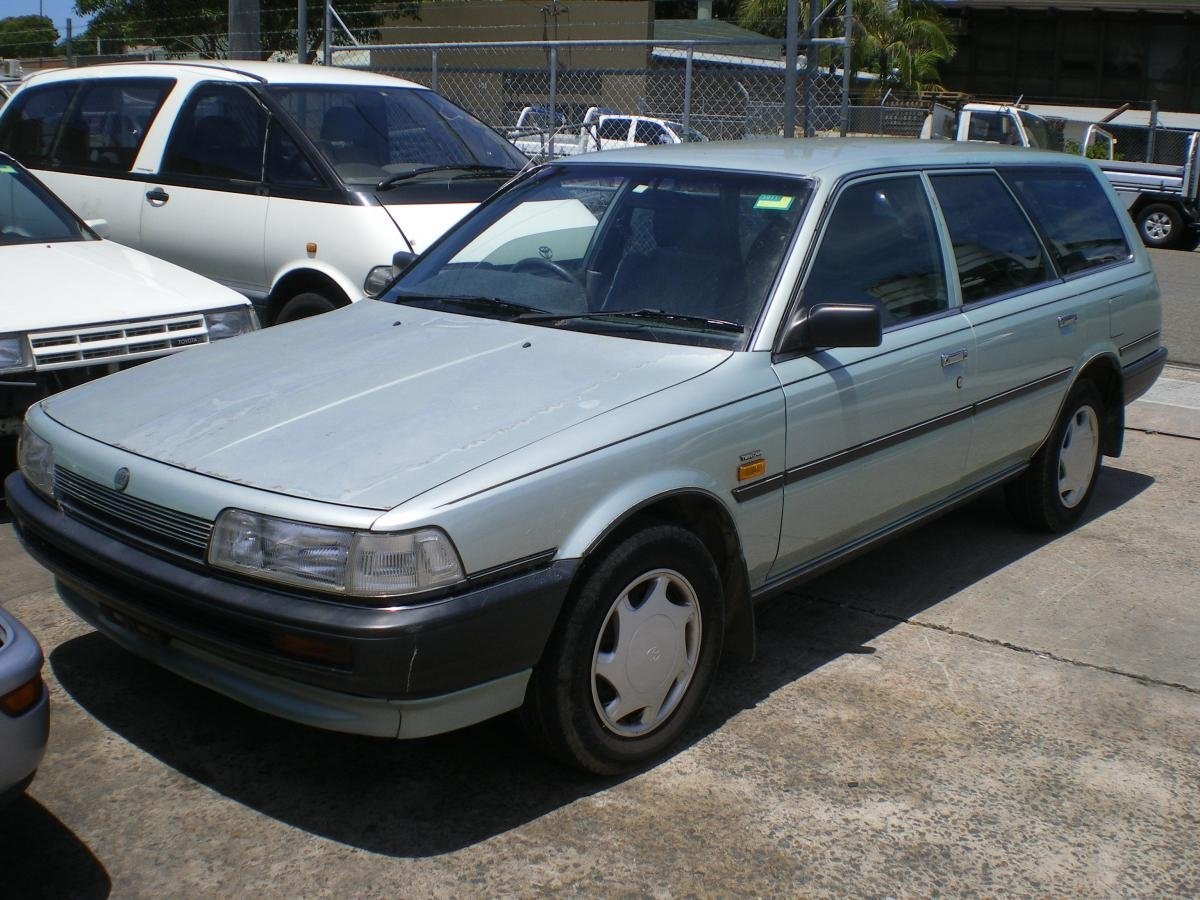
(58, 10)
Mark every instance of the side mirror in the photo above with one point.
(401, 260)
(100, 226)
(833, 325)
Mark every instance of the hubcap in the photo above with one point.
(646, 653)
(1077, 456)
(1157, 226)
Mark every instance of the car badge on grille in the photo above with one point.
(121, 479)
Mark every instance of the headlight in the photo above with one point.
(13, 356)
(377, 279)
(36, 459)
(227, 323)
(353, 563)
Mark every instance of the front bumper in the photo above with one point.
(23, 737)
(401, 672)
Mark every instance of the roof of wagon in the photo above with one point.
(239, 70)
(829, 157)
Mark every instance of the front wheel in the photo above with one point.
(1056, 488)
(308, 303)
(1161, 225)
(632, 656)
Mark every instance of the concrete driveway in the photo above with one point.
(972, 709)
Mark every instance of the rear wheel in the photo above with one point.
(632, 656)
(308, 303)
(1161, 225)
(1054, 492)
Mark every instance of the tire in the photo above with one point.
(644, 622)
(1161, 225)
(309, 303)
(1055, 490)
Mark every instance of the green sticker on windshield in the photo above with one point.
(774, 201)
(7, 170)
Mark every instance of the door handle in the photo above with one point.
(1067, 320)
(157, 195)
(950, 359)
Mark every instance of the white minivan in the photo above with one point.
(295, 185)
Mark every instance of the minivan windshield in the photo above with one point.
(29, 214)
(649, 252)
(370, 133)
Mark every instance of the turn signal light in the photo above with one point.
(23, 699)
(749, 470)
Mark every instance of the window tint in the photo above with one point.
(109, 121)
(880, 247)
(1074, 214)
(995, 249)
(994, 127)
(29, 214)
(650, 133)
(614, 129)
(31, 123)
(286, 164)
(219, 133)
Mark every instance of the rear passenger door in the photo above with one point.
(875, 434)
(207, 208)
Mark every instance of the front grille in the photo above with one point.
(115, 343)
(129, 519)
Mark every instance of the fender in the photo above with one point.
(352, 291)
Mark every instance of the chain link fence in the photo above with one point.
(723, 92)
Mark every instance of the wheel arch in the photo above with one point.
(1104, 370)
(305, 278)
(701, 512)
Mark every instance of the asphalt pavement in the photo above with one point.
(1179, 279)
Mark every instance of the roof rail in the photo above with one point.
(199, 64)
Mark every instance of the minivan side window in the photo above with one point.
(1074, 214)
(219, 133)
(108, 122)
(995, 248)
(880, 247)
(31, 123)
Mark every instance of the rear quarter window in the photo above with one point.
(1074, 214)
(32, 120)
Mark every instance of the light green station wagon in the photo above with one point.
(628, 397)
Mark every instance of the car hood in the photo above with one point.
(371, 405)
(70, 283)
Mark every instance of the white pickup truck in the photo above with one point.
(1162, 199)
(601, 129)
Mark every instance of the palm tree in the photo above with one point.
(903, 40)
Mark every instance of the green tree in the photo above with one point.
(902, 41)
(27, 37)
(201, 26)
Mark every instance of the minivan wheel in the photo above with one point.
(632, 656)
(1160, 225)
(309, 303)
(1055, 490)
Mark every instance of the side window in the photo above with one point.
(994, 127)
(31, 123)
(614, 130)
(109, 121)
(650, 133)
(287, 166)
(995, 249)
(881, 247)
(1074, 214)
(219, 134)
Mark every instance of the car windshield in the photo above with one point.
(371, 133)
(29, 214)
(654, 253)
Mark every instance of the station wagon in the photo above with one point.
(582, 435)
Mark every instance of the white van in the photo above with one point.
(294, 185)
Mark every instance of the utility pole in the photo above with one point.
(245, 38)
(789, 75)
(302, 31)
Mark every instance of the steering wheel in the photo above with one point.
(536, 262)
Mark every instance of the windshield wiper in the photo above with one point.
(468, 171)
(474, 303)
(656, 315)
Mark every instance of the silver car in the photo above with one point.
(24, 707)
(630, 396)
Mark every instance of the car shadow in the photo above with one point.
(43, 858)
(436, 795)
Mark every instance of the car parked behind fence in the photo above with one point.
(294, 185)
(630, 396)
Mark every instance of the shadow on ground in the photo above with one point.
(433, 796)
(32, 835)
